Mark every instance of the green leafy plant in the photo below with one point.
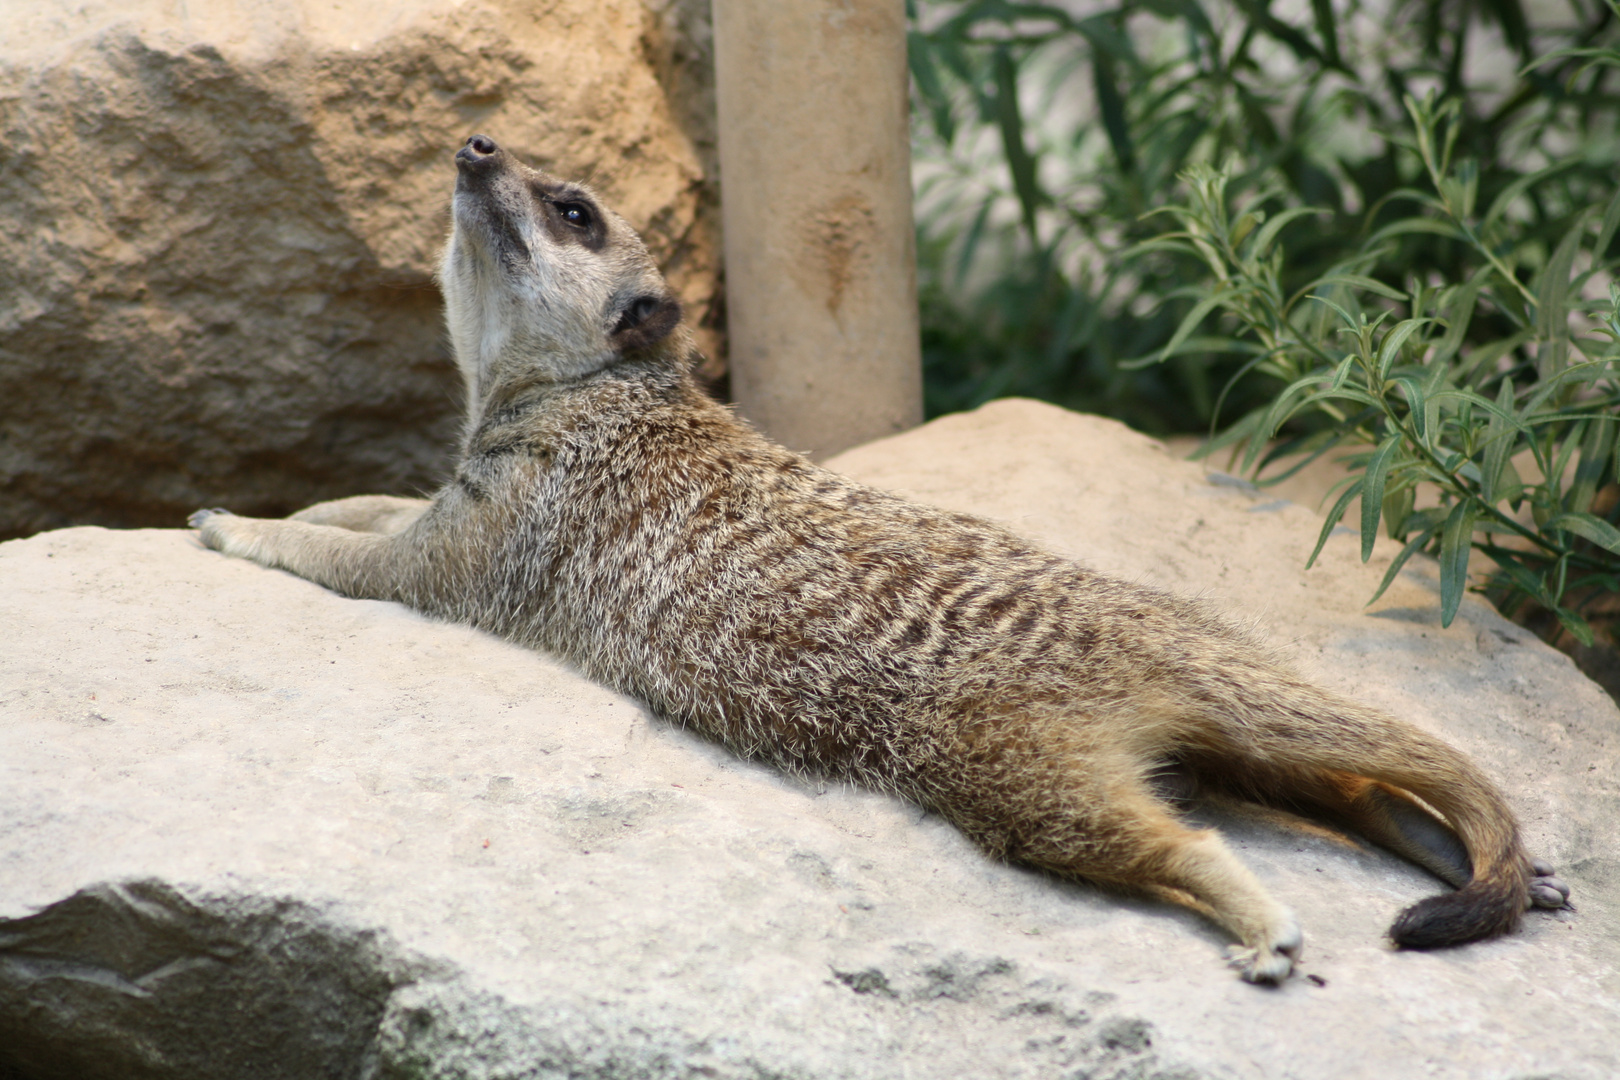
(1396, 235)
(1042, 137)
(1387, 369)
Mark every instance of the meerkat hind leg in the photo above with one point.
(1149, 850)
(1198, 862)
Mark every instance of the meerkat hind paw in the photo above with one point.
(1274, 962)
(1273, 967)
(1547, 891)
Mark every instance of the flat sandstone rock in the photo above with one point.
(248, 828)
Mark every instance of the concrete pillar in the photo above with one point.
(815, 185)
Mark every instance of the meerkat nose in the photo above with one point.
(476, 149)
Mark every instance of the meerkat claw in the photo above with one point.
(1273, 962)
(1259, 965)
(197, 517)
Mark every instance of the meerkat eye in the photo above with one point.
(575, 214)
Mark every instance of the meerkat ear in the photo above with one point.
(645, 322)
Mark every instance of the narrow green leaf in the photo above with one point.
(1468, 180)
(1186, 9)
(1333, 439)
(1566, 452)
(973, 237)
(1552, 297)
(1591, 528)
(1100, 31)
(1268, 232)
(1342, 373)
(1158, 243)
(1372, 497)
(1197, 344)
(1511, 485)
(1394, 340)
(1246, 428)
(1455, 547)
(1111, 103)
(925, 73)
(1598, 56)
(1553, 290)
(1359, 281)
(1593, 463)
(1327, 28)
(1460, 401)
(1416, 225)
(1349, 319)
(1245, 225)
(1263, 20)
(1282, 411)
(1515, 27)
(1500, 440)
(1415, 403)
(1333, 518)
(1411, 548)
(1579, 627)
(1019, 160)
(1459, 313)
(1196, 316)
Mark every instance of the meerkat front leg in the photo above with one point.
(365, 513)
(359, 564)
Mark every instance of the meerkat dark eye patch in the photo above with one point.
(570, 217)
(645, 322)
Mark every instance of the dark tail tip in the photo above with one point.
(1482, 909)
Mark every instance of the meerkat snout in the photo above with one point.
(542, 283)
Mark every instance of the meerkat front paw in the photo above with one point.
(212, 525)
(199, 516)
(1272, 962)
(1546, 889)
(199, 519)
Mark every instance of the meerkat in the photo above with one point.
(607, 511)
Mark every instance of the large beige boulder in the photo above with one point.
(249, 828)
(219, 222)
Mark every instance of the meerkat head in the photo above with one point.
(540, 278)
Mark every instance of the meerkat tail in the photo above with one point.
(1354, 740)
(1494, 899)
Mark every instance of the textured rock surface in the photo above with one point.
(248, 828)
(218, 224)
